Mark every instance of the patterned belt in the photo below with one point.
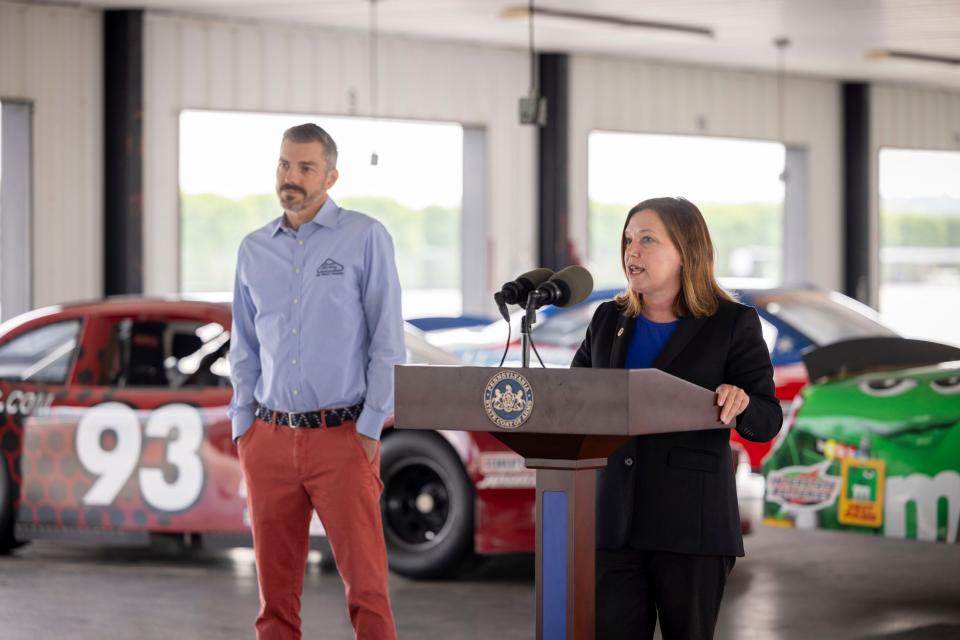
(310, 419)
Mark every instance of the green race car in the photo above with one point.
(873, 445)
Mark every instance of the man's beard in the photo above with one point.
(292, 204)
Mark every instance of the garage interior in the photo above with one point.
(130, 133)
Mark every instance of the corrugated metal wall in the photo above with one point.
(213, 64)
(51, 57)
(652, 97)
(912, 117)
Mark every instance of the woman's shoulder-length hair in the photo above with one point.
(700, 293)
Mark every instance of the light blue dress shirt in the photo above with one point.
(316, 319)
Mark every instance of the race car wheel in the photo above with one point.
(427, 506)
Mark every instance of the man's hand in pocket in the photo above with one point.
(369, 446)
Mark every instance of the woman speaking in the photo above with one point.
(668, 527)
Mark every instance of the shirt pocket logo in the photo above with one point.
(330, 267)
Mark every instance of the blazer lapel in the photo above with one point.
(621, 341)
(686, 330)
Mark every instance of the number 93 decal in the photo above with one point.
(114, 466)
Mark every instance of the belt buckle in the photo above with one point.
(290, 415)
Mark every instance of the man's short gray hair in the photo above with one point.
(309, 132)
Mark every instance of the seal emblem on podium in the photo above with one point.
(508, 399)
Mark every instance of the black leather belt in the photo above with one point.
(310, 419)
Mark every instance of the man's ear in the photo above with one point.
(332, 176)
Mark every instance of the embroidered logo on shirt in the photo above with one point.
(330, 267)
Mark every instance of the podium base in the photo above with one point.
(566, 547)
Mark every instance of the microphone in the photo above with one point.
(567, 287)
(516, 292)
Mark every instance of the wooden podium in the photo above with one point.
(565, 423)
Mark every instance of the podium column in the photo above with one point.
(566, 547)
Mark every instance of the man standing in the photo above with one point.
(316, 332)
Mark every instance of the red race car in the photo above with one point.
(114, 428)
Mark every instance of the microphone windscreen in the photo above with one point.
(536, 277)
(577, 281)
(516, 291)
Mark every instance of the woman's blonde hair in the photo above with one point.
(699, 291)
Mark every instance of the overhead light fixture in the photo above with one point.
(782, 43)
(533, 106)
(374, 60)
(520, 11)
(912, 56)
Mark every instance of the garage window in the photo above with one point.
(16, 208)
(920, 242)
(415, 189)
(735, 183)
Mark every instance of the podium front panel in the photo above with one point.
(584, 402)
(443, 397)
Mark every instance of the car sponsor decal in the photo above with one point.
(505, 470)
(923, 507)
(803, 488)
(25, 403)
(833, 449)
(861, 498)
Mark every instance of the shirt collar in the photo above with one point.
(328, 216)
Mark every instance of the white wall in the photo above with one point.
(193, 63)
(51, 57)
(655, 97)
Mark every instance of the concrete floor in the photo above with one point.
(793, 585)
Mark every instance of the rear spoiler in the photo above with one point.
(870, 354)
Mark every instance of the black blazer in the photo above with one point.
(676, 492)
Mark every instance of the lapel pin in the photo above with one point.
(620, 333)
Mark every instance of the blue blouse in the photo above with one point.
(647, 342)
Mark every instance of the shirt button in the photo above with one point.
(628, 462)
(296, 392)
(294, 332)
(300, 241)
(296, 301)
(294, 361)
(297, 270)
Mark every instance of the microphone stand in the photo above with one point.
(526, 326)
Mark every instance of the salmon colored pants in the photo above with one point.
(289, 473)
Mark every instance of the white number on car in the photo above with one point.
(114, 467)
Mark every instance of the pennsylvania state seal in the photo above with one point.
(508, 400)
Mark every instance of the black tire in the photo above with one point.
(7, 541)
(327, 565)
(427, 506)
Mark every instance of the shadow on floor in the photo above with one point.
(929, 632)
